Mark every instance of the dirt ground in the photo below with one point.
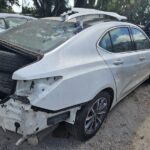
(127, 127)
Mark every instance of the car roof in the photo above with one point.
(7, 15)
(105, 25)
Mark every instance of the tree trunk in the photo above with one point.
(47, 8)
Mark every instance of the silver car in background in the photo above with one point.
(8, 21)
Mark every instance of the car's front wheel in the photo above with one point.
(90, 118)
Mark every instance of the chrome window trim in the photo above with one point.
(115, 27)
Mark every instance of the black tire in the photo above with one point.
(78, 129)
(6, 83)
(10, 62)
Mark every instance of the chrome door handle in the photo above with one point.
(142, 58)
(118, 62)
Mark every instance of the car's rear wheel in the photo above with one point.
(90, 118)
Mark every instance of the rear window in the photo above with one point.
(40, 36)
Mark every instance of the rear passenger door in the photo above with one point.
(116, 48)
(142, 46)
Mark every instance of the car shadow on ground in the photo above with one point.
(126, 127)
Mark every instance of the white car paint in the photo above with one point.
(71, 75)
(75, 68)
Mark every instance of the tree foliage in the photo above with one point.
(29, 11)
(50, 7)
(99, 4)
(6, 5)
(137, 11)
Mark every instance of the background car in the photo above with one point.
(8, 21)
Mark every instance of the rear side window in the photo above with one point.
(106, 43)
(121, 40)
(140, 40)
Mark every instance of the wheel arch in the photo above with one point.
(111, 92)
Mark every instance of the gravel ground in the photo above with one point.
(127, 127)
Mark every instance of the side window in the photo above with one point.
(2, 24)
(13, 22)
(121, 40)
(140, 40)
(106, 43)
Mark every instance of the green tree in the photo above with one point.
(80, 3)
(99, 4)
(29, 10)
(6, 5)
(12, 2)
(47, 8)
(137, 11)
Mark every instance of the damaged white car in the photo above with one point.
(72, 70)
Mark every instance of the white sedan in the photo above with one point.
(54, 70)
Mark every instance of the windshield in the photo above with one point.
(40, 36)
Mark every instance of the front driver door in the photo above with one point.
(116, 49)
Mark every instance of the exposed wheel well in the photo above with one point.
(111, 92)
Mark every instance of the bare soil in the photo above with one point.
(127, 127)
